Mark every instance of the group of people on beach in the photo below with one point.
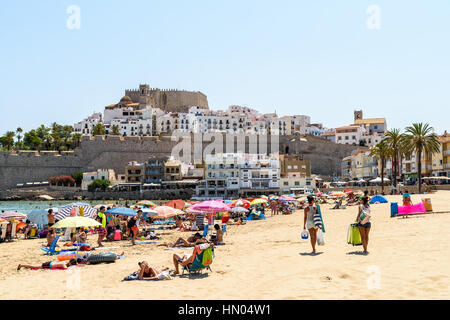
(362, 220)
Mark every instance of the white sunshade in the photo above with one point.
(379, 179)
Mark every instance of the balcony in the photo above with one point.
(446, 165)
(446, 153)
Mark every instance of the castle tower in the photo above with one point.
(358, 115)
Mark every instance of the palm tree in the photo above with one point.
(115, 130)
(19, 136)
(394, 140)
(381, 152)
(99, 130)
(76, 139)
(9, 139)
(421, 138)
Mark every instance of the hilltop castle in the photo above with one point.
(167, 100)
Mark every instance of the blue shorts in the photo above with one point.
(367, 225)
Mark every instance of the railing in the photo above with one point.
(446, 153)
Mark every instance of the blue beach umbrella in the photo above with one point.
(38, 216)
(122, 211)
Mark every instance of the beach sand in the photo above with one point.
(409, 259)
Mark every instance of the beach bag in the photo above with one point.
(320, 238)
(304, 234)
(207, 257)
(353, 235)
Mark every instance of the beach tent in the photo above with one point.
(379, 199)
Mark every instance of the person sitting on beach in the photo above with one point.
(50, 265)
(146, 272)
(184, 260)
(82, 236)
(338, 204)
(218, 237)
(180, 225)
(28, 228)
(118, 234)
(183, 243)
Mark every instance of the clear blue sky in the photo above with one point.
(296, 57)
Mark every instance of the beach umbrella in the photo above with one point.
(273, 198)
(239, 210)
(76, 209)
(12, 215)
(165, 212)
(258, 201)
(147, 203)
(348, 190)
(212, 206)
(241, 203)
(122, 211)
(38, 216)
(149, 212)
(75, 222)
(228, 201)
(176, 204)
(265, 197)
(3, 221)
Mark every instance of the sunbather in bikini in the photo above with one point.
(50, 265)
(146, 272)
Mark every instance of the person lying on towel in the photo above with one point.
(51, 265)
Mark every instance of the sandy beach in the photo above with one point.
(264, 260)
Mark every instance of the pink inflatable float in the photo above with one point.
(416, 208)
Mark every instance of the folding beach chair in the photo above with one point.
(201, 262)
(50, 251)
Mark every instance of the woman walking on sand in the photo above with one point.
(308, 222)
(363, 220)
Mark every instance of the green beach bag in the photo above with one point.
(353, 235)
(207, 257)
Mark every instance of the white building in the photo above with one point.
(100, 174)
(86, 126)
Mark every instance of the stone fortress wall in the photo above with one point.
(114, 152)
(169, 100)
